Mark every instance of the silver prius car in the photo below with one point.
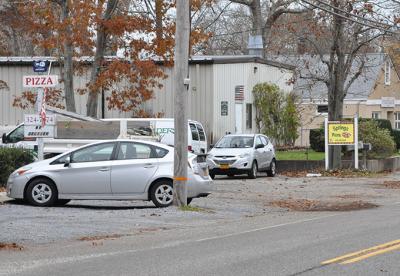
(117, 169)
(242, 154)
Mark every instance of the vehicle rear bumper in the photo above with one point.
(199, 186)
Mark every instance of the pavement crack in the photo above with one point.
(308, 270)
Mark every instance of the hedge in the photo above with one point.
(396, 137)
(12, 159)
(317, 139)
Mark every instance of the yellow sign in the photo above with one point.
(340, 133)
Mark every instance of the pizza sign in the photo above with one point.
(40, 81)
(340, 133)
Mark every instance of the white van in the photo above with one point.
(164, 128)
(137, 128)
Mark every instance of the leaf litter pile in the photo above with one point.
(392, 184)
(306, 205)
(10, 246)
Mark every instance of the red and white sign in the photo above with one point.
(36, 120)
(40, 81)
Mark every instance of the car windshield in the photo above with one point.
(235, 142)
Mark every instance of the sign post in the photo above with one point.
(341, 133)
(39, 125)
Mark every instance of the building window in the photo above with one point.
(323, 108)
(397, 120)
(376, 115)
(249, 116)
(387, 72)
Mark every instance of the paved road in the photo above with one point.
(298, 244)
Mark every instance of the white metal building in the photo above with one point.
(220, 94)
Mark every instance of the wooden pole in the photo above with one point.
(181, 82)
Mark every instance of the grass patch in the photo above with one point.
(189, 208)
(300, 155)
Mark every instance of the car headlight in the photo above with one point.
(244, 155)
(21, 171)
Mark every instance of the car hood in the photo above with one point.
(229, 151)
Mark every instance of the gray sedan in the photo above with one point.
(242, 154)
(118, 169)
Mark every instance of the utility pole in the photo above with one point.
(181, 81)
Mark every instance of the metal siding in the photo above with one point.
(227, 76)
(200, 107)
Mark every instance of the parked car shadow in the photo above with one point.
(245, 177)
(102, 207)
(74, 204)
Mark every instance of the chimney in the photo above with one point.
(255, 45)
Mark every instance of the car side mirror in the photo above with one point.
(4, 138)
(67, 161)
(259, 146)
(211, 146)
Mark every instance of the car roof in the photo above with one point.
(244, 134)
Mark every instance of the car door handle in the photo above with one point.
(104, 170)
(148, 166)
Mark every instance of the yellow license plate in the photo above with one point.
(224, 166)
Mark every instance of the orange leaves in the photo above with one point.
(28, 98)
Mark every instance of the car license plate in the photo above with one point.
(224, 166)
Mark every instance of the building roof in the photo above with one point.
(310, 70)
(239, 59)
(192, 60)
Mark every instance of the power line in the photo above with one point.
(349, 19)
(353, 15)
(330, 12)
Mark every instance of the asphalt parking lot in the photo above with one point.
(232, 200)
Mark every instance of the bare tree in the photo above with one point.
(340, 43)
(262, 23)
(101, 42)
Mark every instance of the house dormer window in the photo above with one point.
(387, 72)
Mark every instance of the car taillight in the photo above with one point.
(190, 148)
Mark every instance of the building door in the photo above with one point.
(238, 118)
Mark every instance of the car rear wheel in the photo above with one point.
(41, 192)
(272, 169)
(253, 171)
(161, 193)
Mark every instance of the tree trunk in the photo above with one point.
(257, 22)
(101, 42)
(68, 66)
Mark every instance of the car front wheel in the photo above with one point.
(272, 169)
(253, 171)
(41, 192)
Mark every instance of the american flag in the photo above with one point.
(43, 108)
(239, 93)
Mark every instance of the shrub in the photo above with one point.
(382, 123)
(11, 159)
(382, 142)
(317, 139)
(396, 137)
